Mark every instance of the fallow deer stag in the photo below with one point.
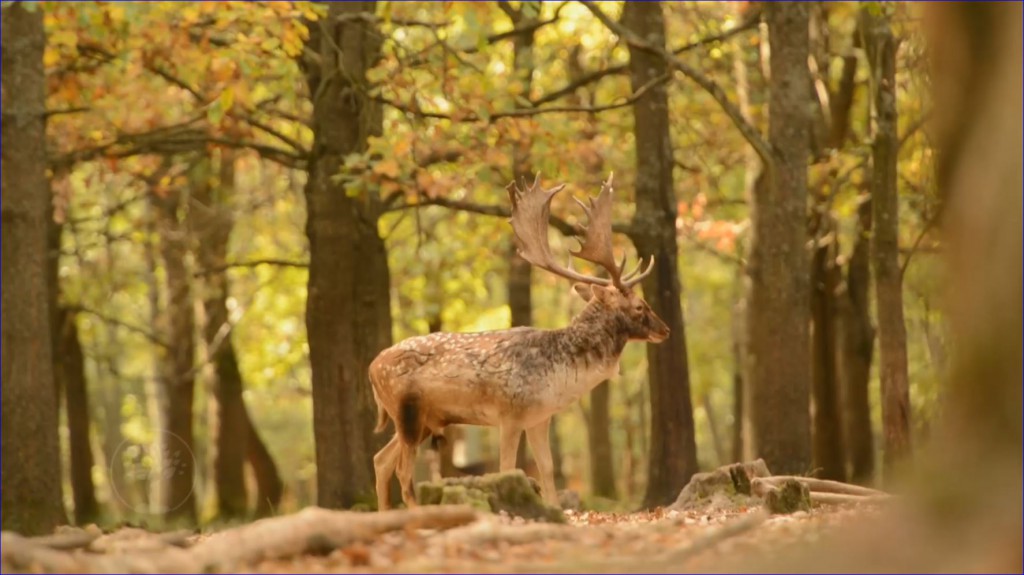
(515, 379)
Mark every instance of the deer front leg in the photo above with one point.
(509, 445)
(540, 443)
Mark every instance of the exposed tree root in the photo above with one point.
(312, 530)
(72, 539)
(826, 485)
(840, 498)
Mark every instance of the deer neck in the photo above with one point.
(596, 336)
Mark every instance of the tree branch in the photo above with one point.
(252, 264)
(152, 337)
(527, 112)
(563, 226)
(756, 140)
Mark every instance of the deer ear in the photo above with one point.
(585, 291)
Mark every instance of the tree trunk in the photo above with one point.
(858, 343)
(212, 222)
(602, 470)
(673, 454)
(976, 61)
(829, 454)
(31, 491)
(177, 462)
(778, 312)
(348, 316)
(892, 332)
(269, 487)
(76, 397)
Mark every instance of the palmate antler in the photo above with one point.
(531, 210)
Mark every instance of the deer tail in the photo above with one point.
(409, 419)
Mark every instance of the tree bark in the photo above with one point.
(31, 478)
(212, 223)
(602, 469)
(269, 487)
(348, 316)
(892, 333)
(975, 68)
(176, 363)
(72, 376)
(673, 453)
(829, 452)
(858, 344)
(779, 342)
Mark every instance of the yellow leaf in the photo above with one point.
(50, 57)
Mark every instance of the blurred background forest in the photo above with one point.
(246, 196)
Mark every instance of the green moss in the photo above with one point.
(512, 492)
(790, 496)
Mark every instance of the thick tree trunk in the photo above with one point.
(892, 331)
(269, 487)
(72, 376)
(602, 470)
(177, 459)
(212, 222)
(31, 490)
(778, 312)
(348, 316)
(673, 456)
(829, 454)
(976, 60)
(858, 343)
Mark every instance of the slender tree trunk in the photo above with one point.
(77, 405)
(348, 316)
(269, 487)
(673, 454)
(743, 425)
(31, 490)
(602, 470)
(212, 221)
(716, 437)
(177, 361)
(829, 455)
(778, 313)
(892, 332)
(858, 343)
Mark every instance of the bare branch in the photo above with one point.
(252, 264)
(563, 227)
(528, 112)
(749, 132)
(152, 337)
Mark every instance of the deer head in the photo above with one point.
(612, 296)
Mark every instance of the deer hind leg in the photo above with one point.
(384, 464)
(406, 463)
(509, 445)
(540, 443)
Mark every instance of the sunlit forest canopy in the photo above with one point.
(188, 147)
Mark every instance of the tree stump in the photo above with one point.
(512, 492)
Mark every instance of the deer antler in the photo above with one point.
(531, 209)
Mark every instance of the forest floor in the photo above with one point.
(662, 539)
(856, 537)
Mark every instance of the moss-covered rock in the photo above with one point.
(725, 487)
(512, 492)
(789, 496)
